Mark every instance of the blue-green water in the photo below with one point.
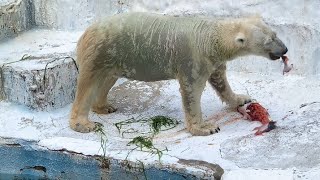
(20, 177)
(26, 161)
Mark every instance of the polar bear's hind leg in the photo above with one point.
(101, 105)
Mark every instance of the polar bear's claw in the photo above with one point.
(203, 129)
(85, 127)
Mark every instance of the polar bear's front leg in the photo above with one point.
(87, 86)
(191, 96)
(101, 105)
(219, 82)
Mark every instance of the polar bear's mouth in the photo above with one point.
(273, 56)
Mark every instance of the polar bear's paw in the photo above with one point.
(203, 129)
(85, 127)
(107, 109)
(240, 100)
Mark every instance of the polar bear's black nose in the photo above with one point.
(285, 50)
(280, 52)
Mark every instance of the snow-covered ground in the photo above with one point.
(286, 152)
(38, 43)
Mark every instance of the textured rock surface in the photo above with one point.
(73, 14)
(15, 17)
(48, 83)
(297, 23)
(22, 81)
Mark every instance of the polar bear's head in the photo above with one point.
(255, 37)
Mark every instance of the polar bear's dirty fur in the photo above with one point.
(150, 47)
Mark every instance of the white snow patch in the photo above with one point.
(85, 147)
(38, 43)
(250, 174)
(282, 95)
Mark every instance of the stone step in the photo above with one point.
(37, 69)
(42, 83)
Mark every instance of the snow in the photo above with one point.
(245, 174)
(85, 147)
(235, 148)
(5, 2)
(39, 42)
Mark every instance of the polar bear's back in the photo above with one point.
(149, 47)
(149, 43)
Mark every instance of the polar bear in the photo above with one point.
(150, 47)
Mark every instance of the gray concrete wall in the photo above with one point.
(72, 14)
(15, 17)
(297, 23)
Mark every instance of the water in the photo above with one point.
(20, 177)
(26, 161)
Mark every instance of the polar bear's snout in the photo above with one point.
(279, 50)
(276, 55)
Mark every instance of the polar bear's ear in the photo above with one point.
(240, 39)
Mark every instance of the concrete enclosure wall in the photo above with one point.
(15, 17)
(296, 22)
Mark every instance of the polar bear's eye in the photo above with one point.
(241, 40)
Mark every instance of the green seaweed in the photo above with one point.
(157, 122)
(103, 144)
(145, 144)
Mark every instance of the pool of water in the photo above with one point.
(24, 160)
(20, 177)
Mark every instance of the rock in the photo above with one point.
(213, 169)
(42, 83)
(15, 17)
